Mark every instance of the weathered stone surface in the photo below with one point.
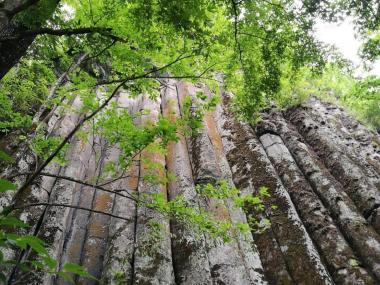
(337, 254)
(77, 230)
(152, 259)
(351, 223)
(361, 145)
(229, 263)
(43, 190)
(247, 249)
(359, 186)
(118, 262)
(190, 258)
(119, 259)
(321, 168)
(287, 262)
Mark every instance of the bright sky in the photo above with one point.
(343, 37)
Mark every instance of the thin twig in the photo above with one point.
(87, 118)
(55, 86)
(167, 77)
(20, 207)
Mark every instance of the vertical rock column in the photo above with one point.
(75, 236)
(152, 262)
(119, 259)
(190, 259)
(44, 189)
(95, 240)
(54, 224)
(364, 240)
(285, 261)
(361, 190)
(83, 240)
(228, 263)
(247, 249)
(331, 244)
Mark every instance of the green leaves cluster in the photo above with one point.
(371, 48)
(44, 146)
(42, 261)
(193, 111)
(21, 92)
(203, 221)
(360, 96)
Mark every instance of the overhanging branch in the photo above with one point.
(69, 206)
(89, 117)
(64, 32)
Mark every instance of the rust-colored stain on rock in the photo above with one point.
(320, 165)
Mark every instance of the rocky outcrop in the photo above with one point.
(320, 166)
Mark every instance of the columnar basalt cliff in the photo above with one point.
(322, 169)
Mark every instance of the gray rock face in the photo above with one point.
(320, 166)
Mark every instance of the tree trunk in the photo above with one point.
(12, 50)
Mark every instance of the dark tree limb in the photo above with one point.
(12, 50)
(62, 32)
(197, 76)
(94, 186)
(25, 206)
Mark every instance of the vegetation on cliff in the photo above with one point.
(54, 52)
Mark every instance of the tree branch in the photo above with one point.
(64, 32)
(98, 187)
(87, 118)
(167, 77)
(68, 206)
(54, 88)
(236, 32)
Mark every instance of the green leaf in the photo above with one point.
(24, 266)
(5, 185)
(50, 262)
(38, 264)
(12, 221)
(264, 191)
(66, 276)
(35, 243)
(353, 262)
(3, 279)
(76, 269)
(5, 157)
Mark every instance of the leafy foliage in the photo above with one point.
(8, 239)
(21, 92)
(201, 220)
(265, 50)
(5, 185)
(43, 261)
(371, 48)
(361, 97)
(43, 147)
